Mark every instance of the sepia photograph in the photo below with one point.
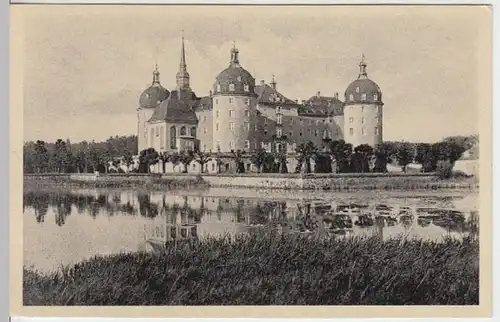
(253, 155)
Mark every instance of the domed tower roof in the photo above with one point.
(363, 89)
(234, 80)
(155, 94)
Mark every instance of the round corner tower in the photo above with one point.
(363, 110)
(234, 111)
(148, 101)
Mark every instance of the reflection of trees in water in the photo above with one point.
(146, 207)
(39, 202)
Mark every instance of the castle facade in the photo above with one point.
(240, 114)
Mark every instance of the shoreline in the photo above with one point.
(279, 182)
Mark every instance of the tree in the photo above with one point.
(280, 158)
(426, 157)
(304, 154)
(383, 155)
(185, 157)
(238, 160)
(202, 158)
(128, 160)
(147, 158)
(404, 155)
(259, 158)
(40, 157)
(365, 152)
(341, 153)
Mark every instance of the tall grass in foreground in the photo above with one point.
(271, 270)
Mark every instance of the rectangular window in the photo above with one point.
(247, 126)
(157, 131)
(351, 120)
(231, 113)
(362, 120)
(162, 138)
(231, 87)
(375, 97)
(290, 134)
(279, 132)
(362, 108)
(217, 126)
(376, 120)
(204, 147)
(217, 113)
(247, 144)
(205, 130)
(315, 132)
(231, 126)
(204, 118)
(247, 88)
(351, 97)
(218, 145)
(256, 127)
(363, 97)
(310, 122)
(376, 131)
(231, 100)
(317, 122)
(216, 101)
(351, 131)
(247, 113)
(231, 144)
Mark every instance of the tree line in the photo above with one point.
(63, 156)
(83, 157)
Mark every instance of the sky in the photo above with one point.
(85, 66)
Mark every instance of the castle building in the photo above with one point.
(239, 114)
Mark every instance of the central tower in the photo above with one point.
(234, 102)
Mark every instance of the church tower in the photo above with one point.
(182, 77)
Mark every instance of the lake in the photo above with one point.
(65, 227)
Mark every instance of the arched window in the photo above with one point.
(173, 138)
(183, 130)
(193, 131)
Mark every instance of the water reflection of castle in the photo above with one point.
(174, 217)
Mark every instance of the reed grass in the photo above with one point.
(271, 270)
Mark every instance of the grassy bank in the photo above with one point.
(123, 181)
(271, 270)
(333, 182)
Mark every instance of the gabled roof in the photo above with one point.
(173, 110)
(203, 103)
(269, 96)
(471, 154)
(322, 106)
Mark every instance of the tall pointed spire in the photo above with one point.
(182, 65)
(362, 67)
(182, 75)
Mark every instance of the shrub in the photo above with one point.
(444, 169)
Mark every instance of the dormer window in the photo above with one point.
(357, 89)
(363, 97)
(218, 87)
(247, 88)
(351, 97)
(239, 78)
(375, 97)
(231, 87)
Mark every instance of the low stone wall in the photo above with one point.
(338, 182)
